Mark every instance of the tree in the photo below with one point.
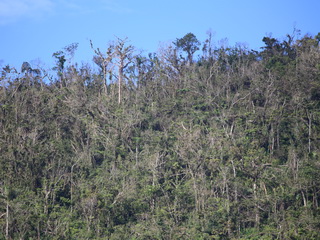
(124, 55)
(104, 61)
(189, 43)
(61, 59)
(119, 55)
(26, 67)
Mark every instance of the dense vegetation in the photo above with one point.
(173, 145)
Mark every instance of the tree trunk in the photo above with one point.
(256, 210)
(309, 130)
(119, 84)
(7, 219)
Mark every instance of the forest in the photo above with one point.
(195, 141)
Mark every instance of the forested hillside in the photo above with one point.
(196, 141)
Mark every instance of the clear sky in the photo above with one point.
(32, 30)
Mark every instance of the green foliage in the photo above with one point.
(189, 43)
(226, 147)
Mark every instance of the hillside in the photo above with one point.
(172, 145)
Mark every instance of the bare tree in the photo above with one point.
(124, 56)
(104, 61)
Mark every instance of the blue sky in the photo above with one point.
(32, 30)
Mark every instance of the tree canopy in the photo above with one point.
(148, 147)
(189, 43)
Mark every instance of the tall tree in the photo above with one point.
(190, 44)
(104, 61)
(124, 55)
